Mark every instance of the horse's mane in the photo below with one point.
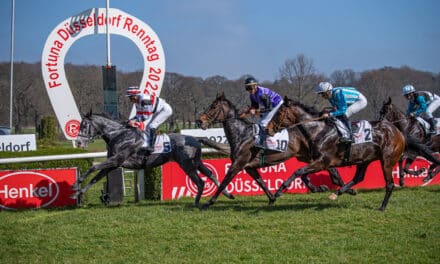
(309, 109)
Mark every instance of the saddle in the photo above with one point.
(426, 126)
(162, 143)
(277, 142)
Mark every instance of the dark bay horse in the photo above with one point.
(414, 132)
(387, 146)
(124, 149)
(244, 155)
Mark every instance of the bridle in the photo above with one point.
(212, 119)
(88, 134)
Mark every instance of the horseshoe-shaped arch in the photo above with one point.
(91, 22)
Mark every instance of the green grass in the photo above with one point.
(297, 229)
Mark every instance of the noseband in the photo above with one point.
(214, 119)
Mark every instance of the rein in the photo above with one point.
(305, 122)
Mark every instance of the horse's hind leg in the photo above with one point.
(432, 171)
(257, 177)
(194, 176)
(208, 173)
(358, 177)
(306, 180)
(337, 180)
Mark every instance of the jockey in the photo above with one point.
(151, 111)
(346, 101)
(269, 100)
(421, 102)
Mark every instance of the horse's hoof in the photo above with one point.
(351, 192)
(204, 207)
(230, 196)
(278, 194)
(333, 196)
(427, 179)
(272, 201)
(323, 188)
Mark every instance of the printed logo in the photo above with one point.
(27, 189)
(209, 188)
(72, 128)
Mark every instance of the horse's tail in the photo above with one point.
(223, 148)
(421, 150)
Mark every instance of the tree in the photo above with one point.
(299, 75)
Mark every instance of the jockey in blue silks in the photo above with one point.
(151, 111)
(421, 103)
(346, 101)
(269, 100)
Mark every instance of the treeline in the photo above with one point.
(189, 95)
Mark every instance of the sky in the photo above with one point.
(230, 38)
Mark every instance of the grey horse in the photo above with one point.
(124, 149)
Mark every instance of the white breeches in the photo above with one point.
(265, 119)
(356, 106)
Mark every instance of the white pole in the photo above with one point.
(108, 34)
(12, 66)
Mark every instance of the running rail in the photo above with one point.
(71, 156)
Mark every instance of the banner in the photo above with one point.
(37, 188)
(176, 184)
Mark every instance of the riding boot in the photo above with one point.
(263, 135)
(152, 140)
(344, 138)
(431, 122)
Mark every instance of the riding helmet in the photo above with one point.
(249, 82)
(132, 91)
(324, 87)
(407, 89)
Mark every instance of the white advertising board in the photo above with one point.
(16, 143)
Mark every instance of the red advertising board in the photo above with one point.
(176, 184)
(37, 188)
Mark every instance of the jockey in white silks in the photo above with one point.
(151, 111)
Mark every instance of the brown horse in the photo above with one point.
(414, 132)
(244, 155)
(387, 146)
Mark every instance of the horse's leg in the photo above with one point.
(94, 180)
(233, 170)
(194, 176)
(310, 168)
(306, 180)
(387, 169)
(337, 180)
(408, 163)
(257, 177)
(358, 177)
(432, 171)
(208, 173)
(401, 172)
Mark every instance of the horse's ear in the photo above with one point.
(222, 96)
(388, 101)
(90, 112)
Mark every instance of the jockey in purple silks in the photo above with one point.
(269, 100)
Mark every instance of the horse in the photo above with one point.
(243, 153)
(336, 179)
(124, 149)
(387, 146)
(413, 131)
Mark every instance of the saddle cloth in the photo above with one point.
(426, 125)
(362, 132)
(161, 145)
(278, 142)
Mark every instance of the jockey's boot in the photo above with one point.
(431, 126)
(152, 140)
(346, 137)
(263, 135)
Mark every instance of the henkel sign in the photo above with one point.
(16, 143)
(37, 188)
(176, 184)
(90, 22)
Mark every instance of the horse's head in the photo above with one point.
(218, 111)
(390, 112)
(87, 131)
(290, 113)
